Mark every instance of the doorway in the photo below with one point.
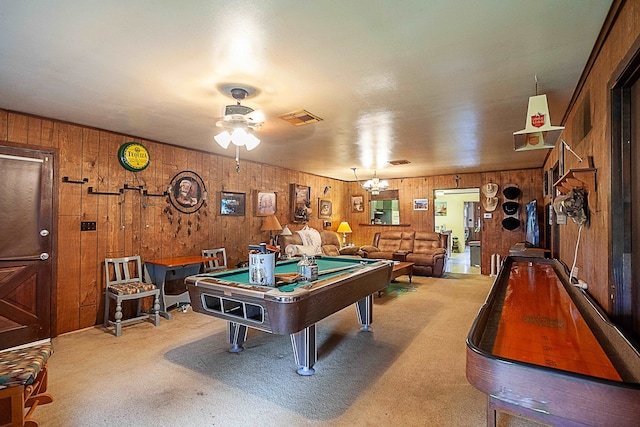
(26, 264)
(458, 213)
(624, 287)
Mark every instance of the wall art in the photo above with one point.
(266, 202)
(187, 192)
(232, 203)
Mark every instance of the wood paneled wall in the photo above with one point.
(593, 257)
(494, 238)
(131, 223)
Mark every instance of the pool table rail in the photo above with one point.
(292, 310)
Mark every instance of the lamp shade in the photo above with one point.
(285, 231)
(271, 223)
(344, 227)
(238, 137)
(538, 132)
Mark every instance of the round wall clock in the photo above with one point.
(133, 156)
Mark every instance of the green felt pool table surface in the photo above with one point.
(328, 268)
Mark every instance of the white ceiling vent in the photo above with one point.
(399, 162)
(300, 117)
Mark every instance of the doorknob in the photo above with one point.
(44, 256)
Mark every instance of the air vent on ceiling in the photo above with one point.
(300, 117)
(399, 162)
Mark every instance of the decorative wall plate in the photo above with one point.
(187, 192)
(133, 156)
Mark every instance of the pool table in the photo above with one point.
(290, 308)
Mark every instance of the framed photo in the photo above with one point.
(265, 202)
(300, 203)
(420, 204)
(357, 203)
(187, 192)
(232, 203)
(441, 208)
(325, 208)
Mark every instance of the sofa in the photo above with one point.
(312, 242)
(426, 250)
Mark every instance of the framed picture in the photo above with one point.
(357, 203)
(300, 203)
(325, 208)
(187, 192)
(441, 208)
(265, 202)
(232, 203)
(420, 204)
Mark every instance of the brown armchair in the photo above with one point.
(330, 245)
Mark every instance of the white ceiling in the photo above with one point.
(443, 84)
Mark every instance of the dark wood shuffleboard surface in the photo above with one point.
(541, 348)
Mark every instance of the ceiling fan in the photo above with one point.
(237, 116)
(239, 122)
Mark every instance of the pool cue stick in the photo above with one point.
(334, 270)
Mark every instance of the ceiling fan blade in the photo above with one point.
(256, 116)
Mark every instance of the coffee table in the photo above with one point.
(402, 269)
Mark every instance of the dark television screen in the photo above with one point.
(533, 232)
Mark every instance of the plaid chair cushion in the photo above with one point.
(131, 288)
(21, 366)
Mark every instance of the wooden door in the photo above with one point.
(26, 262)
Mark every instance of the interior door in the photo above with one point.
(634, 216)
(26, 210)
(624, 289)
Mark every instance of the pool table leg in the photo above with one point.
(364, 307)
(304, 349)
(237, 336)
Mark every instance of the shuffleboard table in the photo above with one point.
(290, 308)
(541, 348)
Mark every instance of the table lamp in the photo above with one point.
(285, 231)
(344, 229)
(271, 224)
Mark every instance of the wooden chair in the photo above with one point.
(23, 383)
(124, 282)
(218, 264)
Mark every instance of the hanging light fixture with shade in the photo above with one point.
(238, 123)
(538, 132)
(373, 185)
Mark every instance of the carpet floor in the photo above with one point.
(409, 370)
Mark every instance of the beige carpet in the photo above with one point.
(408, 371)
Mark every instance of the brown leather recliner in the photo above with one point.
(427, 250)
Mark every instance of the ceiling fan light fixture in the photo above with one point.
(251, 141)
(223, 139)
(238, 122)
